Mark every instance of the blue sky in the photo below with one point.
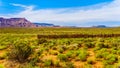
(47, 4)
(64, 12)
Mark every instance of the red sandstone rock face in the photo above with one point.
(15, 22)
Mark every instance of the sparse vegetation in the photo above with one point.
(24, 49)
(20, 52)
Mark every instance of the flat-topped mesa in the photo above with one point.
(15, 22)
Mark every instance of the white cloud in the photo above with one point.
(97, 13)
(23, 6)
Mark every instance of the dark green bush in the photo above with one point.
(28, 65)
(70, 65)
(56, 63)
(48, 62)
(34, 60)
(107, 45)
(69, 54)
(80, 44)
(118, 52)
(100, 45)
(62, 57)
(61, 50)
(54, 52)
(2, 47)
(73, 47)
(111, 59)
(100, 40)
(82, 55)
(96, 49)
(41, 41)
(103, 53)
(20, 52)
(89, 45)
(114, 51)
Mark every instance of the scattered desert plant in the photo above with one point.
(83, 55)
(42, 40)
(62, 57)
(100, 45)
(2, 47)
(89, 45)
(20, 52)
(69, 54)
(56, 63)
(111, 59)
(70, 65)
(48, 62)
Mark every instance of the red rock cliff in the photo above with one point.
(15, 22)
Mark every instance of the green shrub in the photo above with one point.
(100, 45)
(107, 45)
(56, 63)
(111, 59)
(114, 51)
(103, 53)
(98, 55)
(54, 52)
(70, 65)
(109, 66)
(100, 40)
(89, 45)
(62, 57)
(83, 55)
(64, 47)
(34, 59)
(77, 52)
(61, 50)
(54, 48)
(40, 51)
(48, 62)
(63, 65)
(96, 49)
(114, 44)
(28, 65)
(41, 41)
(67, 65)
(69, 54)
(3, 47)
(88, 66)
(20, 52)
(118, 52)
(79, 44)
(68, 42)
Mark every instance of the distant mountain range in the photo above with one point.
(21, 22)
(100, 26)
(44, 24)
(15, 22)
